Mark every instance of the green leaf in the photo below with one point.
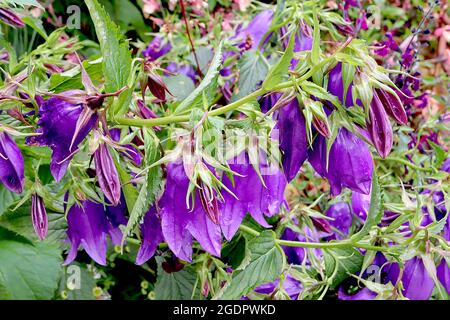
(208, 83)
(280, 69)
(176, 285)
(129, 191)
(341, 263)
(439, 154)
(152, 183)
(27, 271)
(7, 198)
(116, 55)
(253, 69)
(36, 25)
(266, 265)
(180, 86)
(375, 211)
(23, 3)
(71, 79)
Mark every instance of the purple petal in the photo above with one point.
(363, 294)
(342, 216)
(107, 175)
(443, 273)
(11, 164)
(157, 48)
(151, 237)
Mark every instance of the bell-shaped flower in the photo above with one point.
(11, 164)
(342, 219)
(417, 283)
(363, 294)
(360, 204)
(39, 216)
(151, 236)
(253, 196)
(336, 86)
(290, 287)
(350, 163)
(88, 226)
(129, 150)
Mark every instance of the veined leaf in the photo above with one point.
(280, 69)
(176, 285)
(375, 211)
(266, 265)
(27, 271)
(210, 80)
(152, 183)
(253, 69)
(116, 54)
(341, 263)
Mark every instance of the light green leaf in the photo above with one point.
(28, 272)
(208, 83)
(266, 265)
(279, 71)
(180, 86)
(375, 211)
(253, 69)
(176, 285)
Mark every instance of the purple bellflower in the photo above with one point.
(251, 36)
(350, 163)
(157, 48)
(88, 226)
(253, 196)
(342, 219)
(129, 151)
(39, 216)
(11, 164)
(151, 236)
(291, 286)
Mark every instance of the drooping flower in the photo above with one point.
(385, 47)
(291, 287)
(336, 85)
(251, 36)
(127, 150)
(9, 17)
(151, 236)
(363, 294)
(417, 283)
(292, 137)
(157, 48)
(350, 163)
(253, 197)
(107, 175)
(11, 164)
(39, 216)
(58, 121)
(443, 274)
(360, 204)
(179, 223)
(89, 226)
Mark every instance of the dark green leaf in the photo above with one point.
(340, 263)
(176, 285)
(253, 69)
(266, 265)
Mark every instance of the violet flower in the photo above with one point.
(88, 226)
(253, 197)
(291, 286)
(9, 17)
(11, 164)
(157, 48)
(360, 204)
(180, 223)
(363, 294)
(251, 36)
(417, 283)
(107, 175)
(151, 236)
(58, 123)
(129, 151)
(342, 219)
(350, 163)
(184, 69)
(39, 216)
(336, 85)
(446, 165)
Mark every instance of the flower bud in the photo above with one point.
(379, 127)
(10, 18)
(39, 216)
(107, 174)
(11, 164)
(393, 106)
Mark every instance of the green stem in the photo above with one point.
(230, 107)
(406, 163)
(319, 245)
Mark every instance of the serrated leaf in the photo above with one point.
(266, 265)
(375, 211)
(24, 3)
(176, 285)
(341, 263)
(152, 183)
(280, 69)
(253, 69)
(208, 83)
(116, 55)
(27, 271)
(6, 199)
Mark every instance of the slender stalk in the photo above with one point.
(406, 163)
(183, 12)
(318, 245)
